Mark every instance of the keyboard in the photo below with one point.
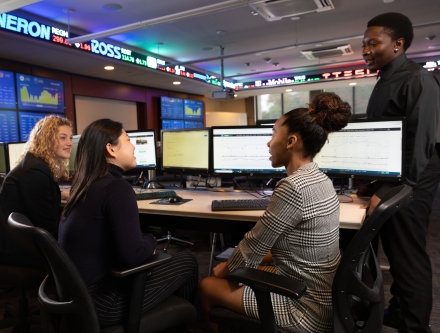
(155, 195)
(241, 204)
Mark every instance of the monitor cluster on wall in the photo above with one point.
(24, 100)
(179, 113)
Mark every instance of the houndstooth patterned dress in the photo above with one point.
(301, 229)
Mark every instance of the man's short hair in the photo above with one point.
(396, 25)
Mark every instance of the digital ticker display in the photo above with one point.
(39, 94)
(7, 90)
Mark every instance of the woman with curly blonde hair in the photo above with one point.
(31, 188)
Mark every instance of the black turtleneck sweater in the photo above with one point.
(103, 231)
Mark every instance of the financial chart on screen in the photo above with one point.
(243, 150)
(365, 149)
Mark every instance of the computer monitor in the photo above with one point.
(75, 140)
(14, 151)
(367, 149)
(3, 159)
(145, 148)
(242, 150)
(186, 150)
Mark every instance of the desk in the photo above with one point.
(351, 215)
(197, 215)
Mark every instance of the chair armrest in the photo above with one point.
(155, 260)
(270, 282)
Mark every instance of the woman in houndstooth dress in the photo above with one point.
(299, 231)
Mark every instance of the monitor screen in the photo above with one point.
(39, 94)
(8, 126)
(145, 148)
(3, 158)
(7, 90)
(242, 150)
(171, 108)
(173, 124)
(193, 109)
(14, 151)
(75, 140)
(186, 150)
(27, 122)
(365, 148)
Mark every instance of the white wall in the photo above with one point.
(89, 109)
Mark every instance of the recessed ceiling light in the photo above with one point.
(295, 18)
(176, 83)
(254, 13)
(112, 7)
(288, 90)
(220, 32)
(352, 84)
(109, 68)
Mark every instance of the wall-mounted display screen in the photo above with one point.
(193, 109)
(8, 126)
(39, 94)
(171, 108)
(7, 90)
(193, 124)
(173, 124)
(27, 122)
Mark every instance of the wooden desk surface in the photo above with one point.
(351, 215)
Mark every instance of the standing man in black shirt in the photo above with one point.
(405, 88)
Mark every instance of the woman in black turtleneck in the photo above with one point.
(100, 227)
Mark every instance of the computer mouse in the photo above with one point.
(175, 199)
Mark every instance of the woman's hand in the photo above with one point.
(371, 204)
(221, 270)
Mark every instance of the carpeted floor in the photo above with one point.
(202, 251)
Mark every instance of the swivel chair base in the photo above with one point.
(170, 238)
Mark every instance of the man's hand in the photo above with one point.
(221, 270)
(371, 204)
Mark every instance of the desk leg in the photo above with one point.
(214, 237)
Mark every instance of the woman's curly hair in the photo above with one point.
(42, 141)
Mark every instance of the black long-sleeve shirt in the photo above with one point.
(406, 89)
(104, 231)
(29, 189)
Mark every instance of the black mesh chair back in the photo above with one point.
(358, 301)
(73, 297)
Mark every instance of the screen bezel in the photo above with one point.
(379, 177)
(188, 170)
(5, 156)
(251, 173)
(140, 166)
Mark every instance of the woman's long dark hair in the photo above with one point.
(91, 157)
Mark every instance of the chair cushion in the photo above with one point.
(172, 312)
(21, 277)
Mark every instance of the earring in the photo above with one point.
(395, 50)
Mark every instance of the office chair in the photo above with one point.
(22, 279)
(169, 238)
(74, 307)
(357, 291)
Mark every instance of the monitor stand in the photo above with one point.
(152, 176)
(221, 189)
